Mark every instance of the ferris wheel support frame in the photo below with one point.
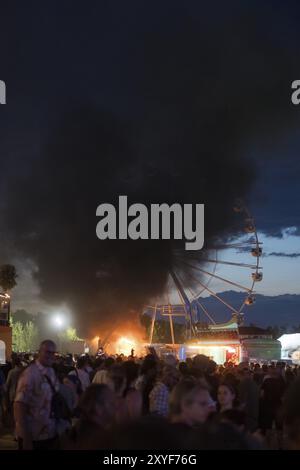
(187, 303)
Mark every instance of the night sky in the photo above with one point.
(165, 101)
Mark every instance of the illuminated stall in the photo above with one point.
(5, 328)
(220, 345)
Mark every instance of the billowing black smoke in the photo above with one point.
(205, 97)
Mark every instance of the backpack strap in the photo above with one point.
(50, 383)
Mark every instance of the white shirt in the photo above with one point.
(35, 392)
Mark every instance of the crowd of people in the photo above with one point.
(53, 401)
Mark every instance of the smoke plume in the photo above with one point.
(207, 92)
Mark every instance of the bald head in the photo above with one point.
(47, 350)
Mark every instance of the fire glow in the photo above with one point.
(125, 345)
(125, 337)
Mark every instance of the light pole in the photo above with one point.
(59, 322)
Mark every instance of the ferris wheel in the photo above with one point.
(199, 293)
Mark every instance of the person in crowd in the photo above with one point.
(248, 395)
(170, 360)
(291, 416)
(147, 379)
(101, 376)
(11, 385)
(272, 390)
(289, 377)
(230, 376)
(128, 401)
(97, 417)
(212, 378)
(199, 366)
(89, 366)
(26, 360)
(82, 373)
(117, 383)
(131, 370)
(36, 427)
(189, 403)
(235, 417)
(226, 397)
(258, 377)
(68, 391)
(133, 397)
(159, 395)
(183, 369)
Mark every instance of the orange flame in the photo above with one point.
(125, 338)
(125, 345)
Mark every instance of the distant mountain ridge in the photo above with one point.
(267, 310)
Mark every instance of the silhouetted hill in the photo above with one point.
(267, 310)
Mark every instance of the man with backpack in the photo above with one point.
(38, 406)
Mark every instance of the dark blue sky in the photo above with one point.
(57, 54)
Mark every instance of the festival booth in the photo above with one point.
(5, 328)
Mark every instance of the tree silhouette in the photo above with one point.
(8, 277)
